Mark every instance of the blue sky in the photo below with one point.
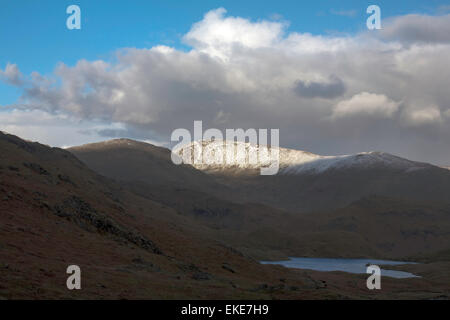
(33, 34)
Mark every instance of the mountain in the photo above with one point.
(304, 182)
(129, 160)
(135, 238)
(265, 216)
(290, 161)
(55, 212)
(309, 182)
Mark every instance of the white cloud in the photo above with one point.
(54, 129)
(256, 74)
(423, 116)
(216, 34)
(366, 103)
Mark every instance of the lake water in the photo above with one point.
(347, 265)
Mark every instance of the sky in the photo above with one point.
(141, 69)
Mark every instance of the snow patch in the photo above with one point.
(213, 157)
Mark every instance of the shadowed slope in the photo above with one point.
(386, 182)
(55, 212)
(129, 160)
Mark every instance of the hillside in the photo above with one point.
(55, 212)
(369, 225)
(139, 161)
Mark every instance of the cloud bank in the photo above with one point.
(384, 90)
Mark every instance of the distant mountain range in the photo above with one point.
(307, 182)
(310, 192)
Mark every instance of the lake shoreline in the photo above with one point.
(349, 265)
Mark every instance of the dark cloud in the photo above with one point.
(415, 28)
(331, 89)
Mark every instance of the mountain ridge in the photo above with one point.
(291, 161)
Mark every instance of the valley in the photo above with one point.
(140, 227)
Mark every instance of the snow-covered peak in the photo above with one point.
(215, 156)
(221, 154)
(363, 160)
